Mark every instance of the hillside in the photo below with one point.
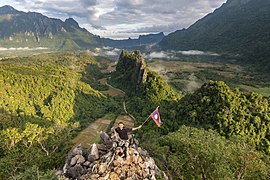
(44, 99)
(240, 27)
(213, 133)
(31, 29)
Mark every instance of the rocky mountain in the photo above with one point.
(31, 29)
(239, 26)
(141, 42)
(131, 69)
(133, 76)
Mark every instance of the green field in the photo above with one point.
(188, 76)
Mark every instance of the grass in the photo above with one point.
(188, 76)
(90, 134)
(112, 91)
(265, 91)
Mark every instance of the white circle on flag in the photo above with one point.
(156, 116)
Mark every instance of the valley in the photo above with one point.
(187, 76)
(199, 70)
(77, 96)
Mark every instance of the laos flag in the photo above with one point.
(156, 117)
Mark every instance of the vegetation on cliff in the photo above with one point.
(227, 134)
(136, 79)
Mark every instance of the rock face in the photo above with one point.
(133, 76)
(131, 71)
(115, 164)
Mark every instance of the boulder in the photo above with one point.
(73, 161)
(114, 176)
(76, 171)
(102, 168)
(105, 138)
(77, 150)
(86, 164)
(94, 176)
(93, 153)
(80, 159)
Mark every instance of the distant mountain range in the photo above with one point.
(142, 41)
(240, 27)
(31, 29)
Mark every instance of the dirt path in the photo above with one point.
(110, 68)
(112, 90)
(90, 135)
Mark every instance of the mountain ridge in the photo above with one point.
(238, 27)
(32, 29)
(140, 42)
(18, 28)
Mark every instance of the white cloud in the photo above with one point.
(173, 55)
(196, 52)
(158, 55)
(22, 49)
(121, 18)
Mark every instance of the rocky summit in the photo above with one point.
(103, 162)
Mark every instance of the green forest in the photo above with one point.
(45, 99)
(215, 132)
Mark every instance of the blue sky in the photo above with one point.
(123, 18)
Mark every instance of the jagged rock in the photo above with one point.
(78, 159)
(77, 150)
(114, 176)
(142, 165)
(102, 168)
(113, 165)
(95, 169)
(81, 159)
(102, 147)
(118, 171)
(105, 138)
(95, 176)
(86, 163)
(76, 171)
(118, 161)
(93, 153)
(73, 161)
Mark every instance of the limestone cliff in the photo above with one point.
(131, 70)
(133, 76)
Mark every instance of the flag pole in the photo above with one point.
(145, 120)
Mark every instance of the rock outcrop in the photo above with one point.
(103, 162)
(131, 71)
(133, 77)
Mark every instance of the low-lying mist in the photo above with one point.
(174, 55)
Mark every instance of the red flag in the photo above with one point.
(156, 117)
